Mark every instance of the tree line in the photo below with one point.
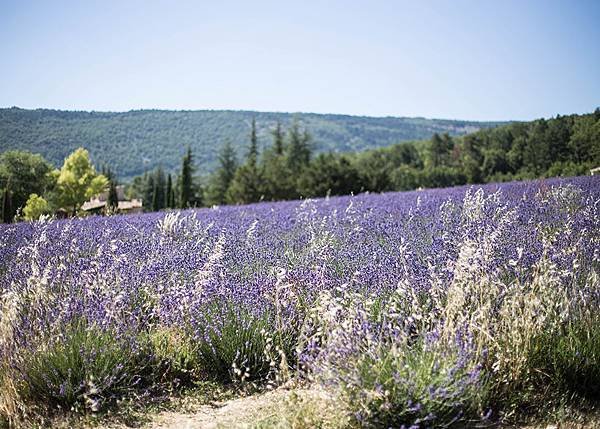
(288, 167)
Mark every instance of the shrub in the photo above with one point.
(235, 345)
(415, 386)
(85, 370)
(570, 359)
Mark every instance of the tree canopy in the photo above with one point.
(22, 174)
(77, 181)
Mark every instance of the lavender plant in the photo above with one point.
(426, 308)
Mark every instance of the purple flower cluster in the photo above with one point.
(268, 265)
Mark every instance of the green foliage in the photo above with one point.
(278, 181)
(138, 141)
(239, 346)
(246, 185)
(186, 180)
(21, 174)
(374, 169)
(148, 189)
(278, 144)
(505, 153)
(570, 359)
(405, 178)
(565, 145)
(584, 143)
(299, 150)
(159, 193)
(220, 180)
(112, 201)
(329, 174)
(170, 193)
(35, 207)
(86, 369)
(253, 150)
(439, 150)
(77, 181)
(421, 386)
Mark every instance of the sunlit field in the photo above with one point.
(433, 308)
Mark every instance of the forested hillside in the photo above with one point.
(137, 141)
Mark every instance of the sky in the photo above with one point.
(454, 59)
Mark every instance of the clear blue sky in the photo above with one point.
(487, 60)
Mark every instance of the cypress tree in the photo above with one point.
(253, 151)
(278, 181)
(299, 149)
(278, 139)
(186, 184)
(113, 199)
(246, 185)
(221, 179)
(158, 198)
(148, 191)
(170, 199)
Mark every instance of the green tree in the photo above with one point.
(278, 181)
(159, 194)
(113, 197)
(584, 143)
(403, 153)
(374, 170)
(186, 180)
(137, 187)
(441, 177)
(21, 174)
(439, 150)
(246, 185)
(77, 181)
(253, 150)
(148, 198)
(220, 180)
(472, 159)
(278, 140)
(35, 207)
(329, 174)
(170, 198)
(406, 178)
(494, 162)
(299, 150)
(537, 152)
(112, 202)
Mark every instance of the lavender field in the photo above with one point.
(461, 306)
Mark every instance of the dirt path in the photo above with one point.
(236, 413)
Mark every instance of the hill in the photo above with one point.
(136, 141)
